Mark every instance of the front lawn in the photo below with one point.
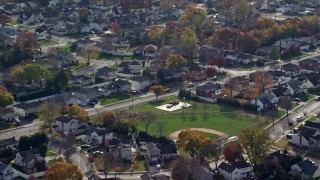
(304, 97)
(50, 153)
(113, 99)
(223, 118)
(51, 162)
(65, 48)
(283, 143)
(78, 66)
(121, 166)
(312, 119)
(47, 42)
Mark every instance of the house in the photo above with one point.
(9, 143)
(245, 58)
(313, 81)
(140, 82)
(265, 101)
(133, 67)
(64, 58)
(307, 135)
(290, 69)
(106, 73)
(265, 51)
(167, 151)
(26, 109)
(153, 153)
(28, 18)
(6, 172)
(115, 143)
(292, 9)
(81, 79)
(202, 173)
(148, 50)
(27, 159)
(306, 168)
(84, 95)
(310, 64)
(119, 86)
(97, 136)
(6, 41)
(236, 170)
(70, 125)
(278, 91)
(208, 92)
(296, 87)
(170, 74)
(6, 114)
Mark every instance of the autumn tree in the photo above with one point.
(88, 52)
(193, 142)
(4, 19)
(256, 142)
(285, 103)
(262, 79)
(274, 53)
(29, 73)
(157, 90)
(76, 111)
(233, 11)
(116, 28)
(63, 170)
(247, 42)
(156, 34)
(218, 61)
(193, 16)
(233, 152)
(26, 41)
(176, 61)
(83, 12)
(230, 87)
(47, 112)
(189, 41)
(210, 72)
(147, 119)
(6, 98)
(185, 168)
(252, 92)
(108, 118)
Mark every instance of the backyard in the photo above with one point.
(219, 117)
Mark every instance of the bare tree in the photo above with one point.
(230, 87)
(194, 107)
(160, 125)
(147, 118)
(205, 108)
(213, 150)
(108, 164)
(88, 52)
(285, 103)
(273, 114)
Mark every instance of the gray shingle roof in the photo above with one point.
(209, 86)
(295, 84)
(266, 98)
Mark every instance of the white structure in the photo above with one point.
(237, 170)
(25, 109)
(28, 158)
(70, 125)
(140, 82)
(6, 114)
(6, 172)
(265, 101)
(307, 135)
(306, 168)
(97, 136)
(297, 87)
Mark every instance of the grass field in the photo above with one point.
(113, 99)
(220, 117)
(46, 42)
(79, 66)
(121, 166)
(65, 48)
(54, 161)
(50, 153)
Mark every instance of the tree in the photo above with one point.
(256, 142)
(126, 6)
(262, 79)
(209, 4)
(273, 114)
(63, 170)
(185, 168)
(76, 111)
(176, 61)
(160, 126)
(233, 152)
(83, 12)
(213, 150)
(233, 11)
(193, 142)
(47, 112)
(218, 61)
(91, 160)
(252, 92)
(156, 34)
(274, 54)
(60, 81)
(230, 87)
(193, 16)
(108, 118)
(4, 19)
(147, 118)
(26, 41)
(108, 164)
(210, 72)
(247, 43)
(189, 41)
(6, 98)
(157, 90)
(116, 27)
(280, 174)
(88, 52)
(285, 103)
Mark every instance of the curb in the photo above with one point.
(19, 127)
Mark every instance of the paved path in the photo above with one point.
(175, 134)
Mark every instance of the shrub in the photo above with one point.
(36, 94)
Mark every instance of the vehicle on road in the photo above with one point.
(289, 136)
(85, 146)
(97, 153)
(297, 99)
(317, 98)
(299, 119)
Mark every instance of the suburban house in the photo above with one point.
(141, 82)
(6, 41)
(97, 136)
(132, 67)
(296, 87)
(307, 135)
(106, 73)
(290, 69)
(6, 114)
(171, 74)
(9, 143)
(160, 152)
(6, 172)
(85, 95)
(236, 170)
(153, 153)
(202, 173)
(265, 101)
(81, 79)
(306, 168)
(313, 81)
(26, 109)
(311, 64)
(245, 58)
(208, 92)
(119, 86)
(63, 58)
(125, 151)
(115, 143)
(70, 125)
(148, 50)
(278, 91)
(27, 159)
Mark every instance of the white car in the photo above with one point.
(299, 119)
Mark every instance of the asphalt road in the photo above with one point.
(20, 131)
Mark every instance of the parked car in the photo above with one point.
(91, 103)
(318, 98)
(49, 36)
(289, 136)
(297, 99)
(97, 153)
(175, 102)
(85, 146)
(295, 130)
(169, 106)
(299, 119)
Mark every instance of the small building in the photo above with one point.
(307, 135)
(310, 64)
(306, 168)
(70, 125)
(290, 69)
(296, 87)
(236, 170)
(208, 92)
(27, 159)
(132, 67)
(265, 101)
(106, 73)
(97, 136)
(141, 82)
(153, 153)
(119, 86)
(6, 114)
(26, 109)
(9, 143)
(6, 172)
(313, 81)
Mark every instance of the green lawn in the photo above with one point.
(304, 97)
(65, 48)
(46, 42)
(79, 66)
(54, 161)
(5, 126)
(312, 118)
(282, 112)
(50, 153)
(121, 166)
(113, 99)
(220, 117)
(78, 36)
(13, 22)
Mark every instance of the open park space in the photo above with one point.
(222, 118)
